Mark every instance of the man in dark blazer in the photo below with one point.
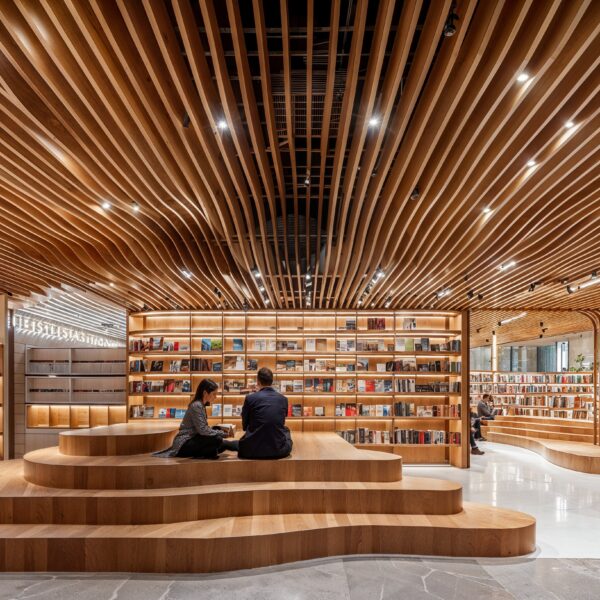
(263, 420)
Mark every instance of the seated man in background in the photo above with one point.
(263, 420)
(485, 408)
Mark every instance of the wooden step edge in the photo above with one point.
(250, 542)
(194, 504)
(580, 456)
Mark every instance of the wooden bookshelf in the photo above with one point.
(558, 395)
(70, 388)
(315, 357)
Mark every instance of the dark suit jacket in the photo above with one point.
(263, 419)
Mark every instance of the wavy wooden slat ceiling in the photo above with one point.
(337, 137)
(521, 326)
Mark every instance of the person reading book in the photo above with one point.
(485, 408)
(195, 438)
(263, 420)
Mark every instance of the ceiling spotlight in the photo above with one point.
(478, 329)
(187, 274)
(388, 302)
(569, 124)
(266, 300)
(487, 210)
(106, 205)
(541, 323)
(307, 179)
(444, 292)
(256, 273)
(470, 294)
(541, 335)
(373, 121)
(217, 292)
(111, 284)
(261, 288)
(531, 163)
(450, 27)
(307, 276)
(415, 194)
(510, 319)
(507, 265)
(379, 274)
(479, 296)
(186, 120)
(522, 77)
(531, 287)
(222, 124)
(593, 280)
(135, 207)
(359, 302)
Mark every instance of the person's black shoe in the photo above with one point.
(482, 439)
(477, 451)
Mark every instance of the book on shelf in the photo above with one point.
(345, 345)
(350, 325)
(252, 364)
(156, 343)
(289, 345)
(175, 366)
(138, 366)
(227, 410)
(310, 345)
(157, 366)
(215, 410)
(409, 323)
(296, 410)
(375, 323)
(238, 344)
(148, 412)
(319, 384)
(175, 346)
(162, 413)
(381, 367)
(319, 411)
(307, 411)
(404, 344)
(179, 413)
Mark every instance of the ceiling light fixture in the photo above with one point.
(186, 120)
(388, 302)
(106, 205)
(135, 207)
(415, 194)
(222, 124)
(187, 274)
(378, 274)
(487, 210)
(522, 77)
(531, 163)
(444, 292)
(479, 296)
(593, 280)
(569, 124)
(511, 319)
(450, 27)
(373, 121)
(470, 294)
(256, 273)
(507, 265)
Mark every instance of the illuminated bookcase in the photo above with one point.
(333, 366)
(558, 395)
(69, 388)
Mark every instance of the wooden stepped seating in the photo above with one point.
(117, 440)
(118, 512)
(581, 427)
(577, 456)
(315, 457)
(538, 421)
(538, 433)
(257, 541)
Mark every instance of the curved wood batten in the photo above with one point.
(23, 503)
(315, 457)
(576, 456)
(249, 542)
(117, 440)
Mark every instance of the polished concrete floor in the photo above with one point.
(566, 564)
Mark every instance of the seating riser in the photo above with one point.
(569, 437)
(139, 510)
(539, 427)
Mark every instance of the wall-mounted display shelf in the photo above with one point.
(390, 380)
(75, 387)
(566, 395)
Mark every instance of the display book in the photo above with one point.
(68, 388)
(558, 395)
(337, 368)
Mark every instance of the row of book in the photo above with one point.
(550, 401)
(364, 435)
(158, 344)
(138, 411)
(161, 386)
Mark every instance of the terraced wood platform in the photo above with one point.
(140, 513)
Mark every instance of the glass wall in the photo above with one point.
(481, 358)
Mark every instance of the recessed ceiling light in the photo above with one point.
(111, 284)
(186, 273)
(522, 77)
(135, 207)
(569, 124)
(106, 205)
(487, 210)
(507, 265)
(373, 121)
(531, 163)
(222, 124)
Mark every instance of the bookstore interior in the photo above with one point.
(293, 291)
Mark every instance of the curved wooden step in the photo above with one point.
(115, 440)
(535, 433)
(21, 502)
(248, 542)
(576, 428)
(577, 456)
(315, 457)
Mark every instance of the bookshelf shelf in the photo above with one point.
(541, 398)
(325, 339)
(68, 388)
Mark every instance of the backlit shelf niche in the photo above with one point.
(559, 395)
(69, 388)
(386, 380)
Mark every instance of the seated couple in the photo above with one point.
(263, 421)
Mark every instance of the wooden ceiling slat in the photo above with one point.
(111, 100)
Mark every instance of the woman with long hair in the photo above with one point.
(195, 438)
